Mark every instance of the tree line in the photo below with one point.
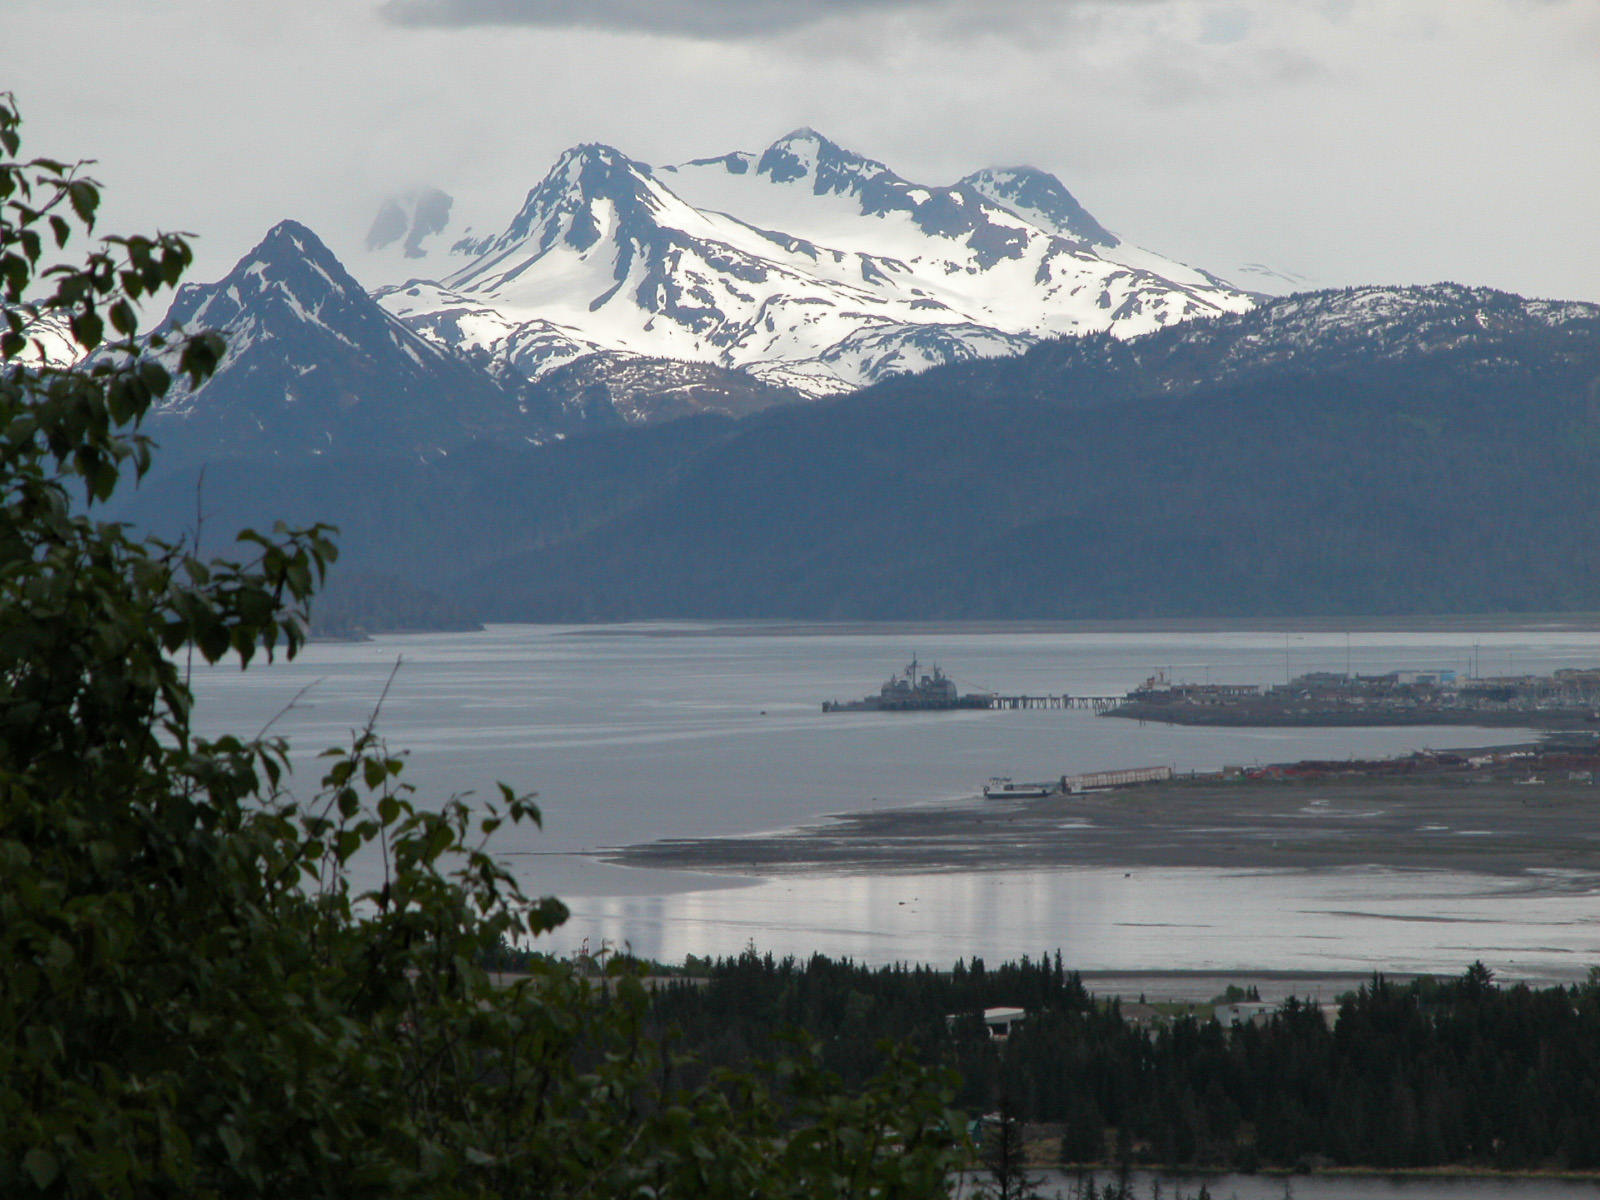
(1422, 1073)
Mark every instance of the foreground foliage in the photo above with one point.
(197, 997)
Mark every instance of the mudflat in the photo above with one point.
(1492, 826)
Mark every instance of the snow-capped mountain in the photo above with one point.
(807, 266)
(315, 365)
(50, 341)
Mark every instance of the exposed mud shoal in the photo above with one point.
(1492, 826)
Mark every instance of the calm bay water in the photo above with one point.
(631, 733)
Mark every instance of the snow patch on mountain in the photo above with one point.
(50, 341)
(507, 347)
(876, 352)
(1041, 199)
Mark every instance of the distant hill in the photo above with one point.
(429, 521)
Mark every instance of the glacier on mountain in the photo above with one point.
(807, 267)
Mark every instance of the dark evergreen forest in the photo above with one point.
(1459, 1072)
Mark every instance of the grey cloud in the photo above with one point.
(388, 226)
(432, 214)
(429, 213)
(695, 18)
(1225, 26)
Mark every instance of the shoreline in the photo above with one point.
(1262, 717)
(1586, 622)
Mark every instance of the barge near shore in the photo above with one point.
(1003, 787)
(1569, 699)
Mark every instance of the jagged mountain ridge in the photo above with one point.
(315, 366)
(807, 266)
(1333, 330)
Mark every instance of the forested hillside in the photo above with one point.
(429, 522)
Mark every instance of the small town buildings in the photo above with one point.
(1244, 1012)
(1002, 1020)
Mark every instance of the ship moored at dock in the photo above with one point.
(912, 690)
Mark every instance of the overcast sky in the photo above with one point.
(1344, 141)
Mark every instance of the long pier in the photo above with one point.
(1094, 703)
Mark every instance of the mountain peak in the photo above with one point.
(587, 155)
(561, 204)
(805, 135)
(805, 153)
(289, 280)
(591, 170)
(292, 261)
(290, 229)
(292, 239)
(314, 364)
(1041, 198)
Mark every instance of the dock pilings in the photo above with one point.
(1093, 703)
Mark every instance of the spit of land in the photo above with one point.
(1504, 810)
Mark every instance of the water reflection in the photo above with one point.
(1538, 927)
